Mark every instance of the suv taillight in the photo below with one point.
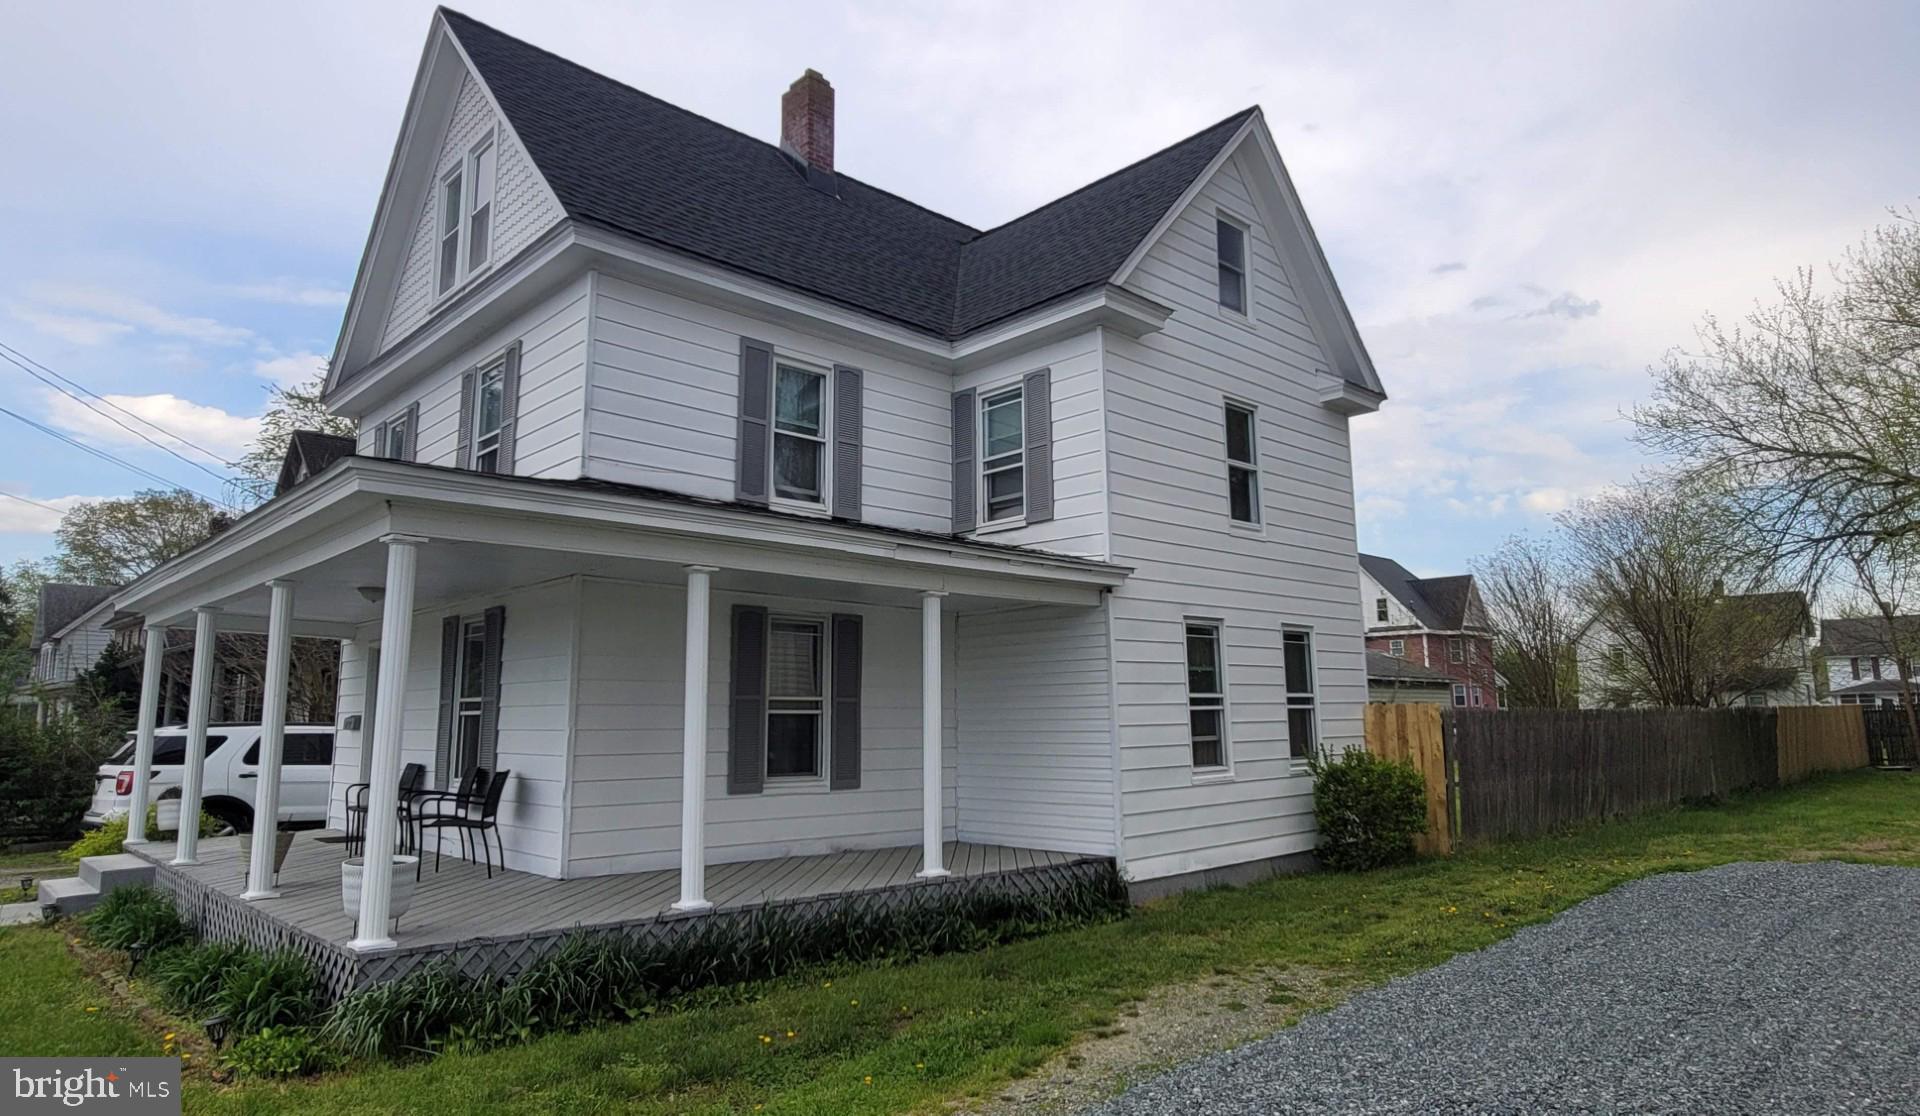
(124, 783)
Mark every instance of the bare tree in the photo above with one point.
(1527, 586)
(1688, 605)
(1810, 409)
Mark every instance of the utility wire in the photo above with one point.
(35, 503)
(28, 364)
(108, 457)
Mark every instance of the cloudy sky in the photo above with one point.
(1525, 203)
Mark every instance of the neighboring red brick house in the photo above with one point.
(1437, 622)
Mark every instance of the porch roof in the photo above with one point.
(490, 532)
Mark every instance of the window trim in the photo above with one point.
(396, 427)
(1308, 699)
(465, 171)
(1381, 611)
(1016, 387)
(1459, 695)
(470, 628)
(1245, 267)
(497, 369)
(794, 503)
(1217, 628)
(1456, 649)
(1250, 467)
(1397, 648)
(822, 740)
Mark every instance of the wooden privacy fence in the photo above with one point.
(1889, 735)
(1501, 776)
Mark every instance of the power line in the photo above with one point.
(107, 457)
(28, 364)
(35, 503)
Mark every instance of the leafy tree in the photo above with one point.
(289, 409)
(1528, 588)
(111, 542)
(47, 771)
(19, 602)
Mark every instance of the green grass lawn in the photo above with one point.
(906, 1037)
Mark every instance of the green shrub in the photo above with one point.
(261, 990)
(188, 977)
(1368, 809)
(111, 838)
(592, 979)
(282, 1052)
(130, 916)
(47, 771)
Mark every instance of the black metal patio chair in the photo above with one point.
(463, 799)
(412, 776)
(479, 820)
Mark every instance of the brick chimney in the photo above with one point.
(806, 120)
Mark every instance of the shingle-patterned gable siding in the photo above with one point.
(522, 210)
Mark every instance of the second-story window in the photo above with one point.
(1232, 241)
(1456, 650)
(489, 415)
(799, 434)
(1003, 455)
(1243, 467)
(395, 448)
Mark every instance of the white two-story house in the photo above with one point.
(741, 509)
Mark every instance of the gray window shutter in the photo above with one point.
(848, 412)
(1037, 398)
(443, 739)
(413, 431)
(463, 454)
(753, 450)
(844, 724)
(747, 703)
(965, 503)
(509, 413)
(494, 630)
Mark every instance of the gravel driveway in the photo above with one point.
(1781, 988)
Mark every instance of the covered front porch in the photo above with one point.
(701, 706)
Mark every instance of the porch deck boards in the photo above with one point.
(459, 904)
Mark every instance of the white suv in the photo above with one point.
(232, 773)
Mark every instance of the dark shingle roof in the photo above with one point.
(1869, 635)
(630, 162)
(309, 452)
(1445, 604)
(1388, 667)
(61, 604)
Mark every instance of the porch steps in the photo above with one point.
(98, 875)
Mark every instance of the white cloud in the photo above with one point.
(211, 428)
(289, 292)
(290, 369)
(136, 312)
(70, 328)
(18, 516)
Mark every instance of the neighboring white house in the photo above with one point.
(1869, 661)
(69, 632)
(1784, 675)
(697, 480)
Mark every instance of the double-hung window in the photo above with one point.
(1380, 610)
(1456, 650)
(1243, 466)
(796, 697)
(489, 415)
(1460, 695)
(1206, 695)
(1397, 648)
(1303, 733)
(799, 434)
(397, 430)
(471, 682)
(1003, 454)
(1231, 238)
(465, 227)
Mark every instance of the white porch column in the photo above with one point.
(383, 795)
(931, 724)
(693, 746)
(199, 712)
(273, 735)
(143, 734)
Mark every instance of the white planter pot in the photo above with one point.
(399, 899)
(167, 815)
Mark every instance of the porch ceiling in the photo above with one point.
(489, 533)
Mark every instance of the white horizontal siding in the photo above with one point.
(1169, 520)
(523, 208)
(626, 803)
(664, 404)
(1079, 523)
(548, 434)
(1036, 730)
(347, 745)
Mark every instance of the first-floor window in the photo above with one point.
(796, 697)
(472, 684)
(799, 433)
(1302, 734)
(1756, 699)
(1003, 438)
(1476, 697)
(1460, 694)
(1206, 695)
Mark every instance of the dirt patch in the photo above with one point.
(1172, 1025)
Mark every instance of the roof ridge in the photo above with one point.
(687, 112)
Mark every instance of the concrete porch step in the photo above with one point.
(119, 870)
(68, 896)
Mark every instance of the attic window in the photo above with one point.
(1231, 238)
(466, 216)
